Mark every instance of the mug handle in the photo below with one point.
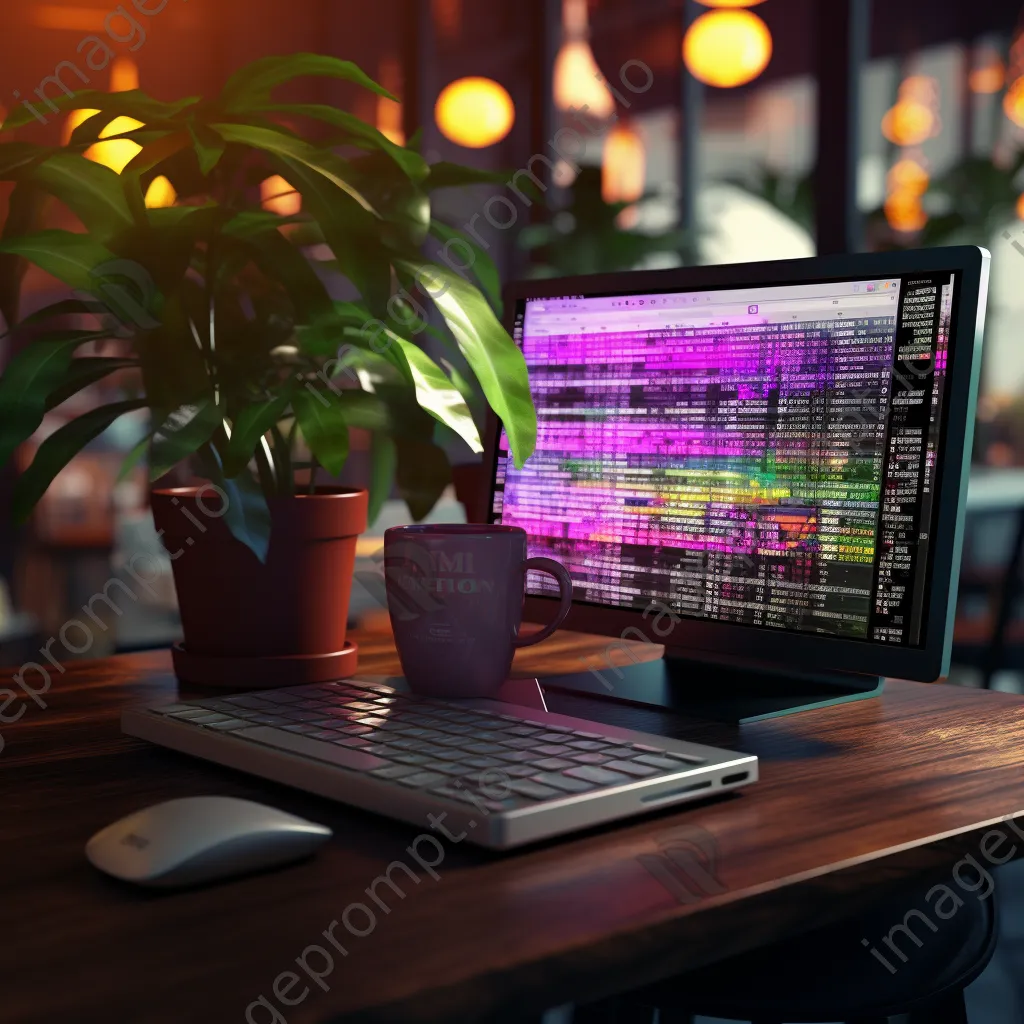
(559, 571)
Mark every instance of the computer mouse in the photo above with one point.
(201, 838)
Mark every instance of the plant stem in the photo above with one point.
(265, 471)
(282, 463)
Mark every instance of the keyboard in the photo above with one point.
(502, 775)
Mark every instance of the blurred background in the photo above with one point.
(719, 131)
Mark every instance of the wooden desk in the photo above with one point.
(853, 800)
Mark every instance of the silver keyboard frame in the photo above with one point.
(492, 829)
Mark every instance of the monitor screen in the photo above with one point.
(763, 456)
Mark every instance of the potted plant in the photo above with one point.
(255, 341)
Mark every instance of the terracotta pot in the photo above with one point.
(250, 624)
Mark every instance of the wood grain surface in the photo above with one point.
(853, 801)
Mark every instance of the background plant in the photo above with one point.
(236, 351)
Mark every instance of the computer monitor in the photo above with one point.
(760, 466)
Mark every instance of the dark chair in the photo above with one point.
(831, 975)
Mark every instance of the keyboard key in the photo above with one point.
(641, 771)
(444, 767)
(393, 771)
(554, 749)
(255, 703)
(497, 806)
(377, 688)
(484, 748)
(590, 758)
(187, 713)
(563, 782)
(599, 776)
(688, 758)
(645, 749)
(619, 752)
(588, 735)
(301, 728)
(331, 753)
(519, 743)
(208, 718)
(558, 728)
(382, 750)
(552, 764)
(517, 756)
(552, 737)
(359, 705)
(302, 716)
(215, 705)
(587, 745)
(534, 790)
(483, 762)
(407, 758)
(261, 719)
(519, 771)
(422, 779)
(353, 742)
(524, 730)
(228, 726)
(668, 763)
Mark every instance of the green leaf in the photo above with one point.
(422, 475)
(91, 191)
(83, 372)
(332, 167)
(133, 458)
(248, 428)
(491, 353)
(403, 206)
(247, 515)
(14, 155)
(68, 256)
(323, 425)
(66, 307)
(132, 103)
(59, 449)
(182, 434)
(481, 266)
(436, 394)
(383, 464)
(360, 134)
(350, 231)
(281, 261)
(251, 86)
(209, 146)
(32, 375)
(23, 215)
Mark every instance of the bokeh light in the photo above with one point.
(727, 48)
(474, 112)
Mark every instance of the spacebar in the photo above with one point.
(297, 744)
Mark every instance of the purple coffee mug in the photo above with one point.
(455, 596)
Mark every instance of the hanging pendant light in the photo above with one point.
(117, 153)
(623, 170)
(389, 112)
(474, 112)
(278, 196)
(578, 82)
(727, 48)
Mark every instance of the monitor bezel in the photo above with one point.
(705, 640)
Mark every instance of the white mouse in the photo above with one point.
(200, 838)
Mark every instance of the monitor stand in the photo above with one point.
(726, 692)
